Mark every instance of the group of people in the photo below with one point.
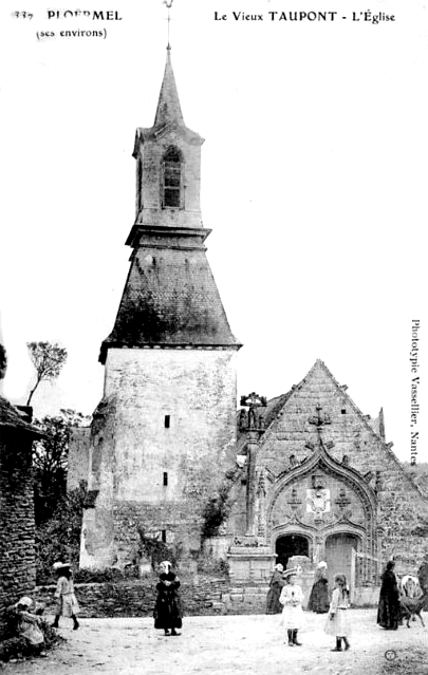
(390, 609)
(26, 615)
(285, 596)
(31, 627)
(167, 612)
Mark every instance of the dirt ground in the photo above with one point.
(242, 645)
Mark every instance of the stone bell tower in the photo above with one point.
(165, 429)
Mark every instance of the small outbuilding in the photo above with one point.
(17, 529)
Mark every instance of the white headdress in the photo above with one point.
(59, 565)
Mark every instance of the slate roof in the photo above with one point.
(13, 418)
(170, 300)
(169, 108)
(168, 112)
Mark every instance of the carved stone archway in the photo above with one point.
(322, 498)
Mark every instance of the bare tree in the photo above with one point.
(48, 359)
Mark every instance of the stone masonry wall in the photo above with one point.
(17, 544)
(137, 597)
(205, 598)
(78, 457)
(154, 474)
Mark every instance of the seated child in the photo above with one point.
(28, 624)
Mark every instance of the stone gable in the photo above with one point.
(320, 474)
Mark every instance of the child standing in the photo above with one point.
(292, 614)
(338, 619)
(66, 600)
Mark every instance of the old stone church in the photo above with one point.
(306, 474)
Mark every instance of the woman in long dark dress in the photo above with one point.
(389, 613)
(168, 613)
(273, 606)
(318, 600)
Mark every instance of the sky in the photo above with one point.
(314, 174)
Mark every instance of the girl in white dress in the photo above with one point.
(292, 614)
(338, 623)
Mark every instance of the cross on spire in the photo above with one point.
(168, 4)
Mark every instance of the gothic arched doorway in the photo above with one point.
(338, 554)
(290, 545)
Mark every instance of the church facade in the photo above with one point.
(320, 482)
(306, 476)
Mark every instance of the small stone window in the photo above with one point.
(172, 178)
(343, 411)
(165, 478)
(167, 421)
(164, 536)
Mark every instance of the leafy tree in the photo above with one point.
(48, 359)
(58, 538)
(50, 461)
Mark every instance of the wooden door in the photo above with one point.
(338, 555)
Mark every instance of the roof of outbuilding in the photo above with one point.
(13, 418)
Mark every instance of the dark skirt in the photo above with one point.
(389, 612)
(167, 612)
(318, 599)
(273, 605)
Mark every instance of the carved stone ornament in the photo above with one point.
(318, 501)
(294, 500)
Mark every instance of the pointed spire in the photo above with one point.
(169, 109)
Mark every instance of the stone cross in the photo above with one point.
(319, 420)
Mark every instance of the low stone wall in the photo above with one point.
(137, 598)
(199, 597)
